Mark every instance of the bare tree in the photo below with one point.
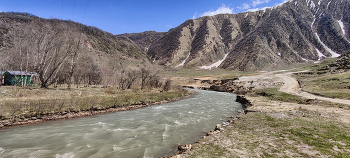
(53, 46)
(167, 85)
(145, 77)
(154, 81)
(73, 49)
(48, 52)
(127, 79)
(90, 71)
(52, 50)
(122, 80)
(131, 78)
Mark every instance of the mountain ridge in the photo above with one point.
(297, 31)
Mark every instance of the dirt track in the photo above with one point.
(248, 137)
(292, 86)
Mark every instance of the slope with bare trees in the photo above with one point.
(65, 51)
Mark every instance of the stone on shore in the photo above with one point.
(184, 148)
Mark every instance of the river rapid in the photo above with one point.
(148, 132)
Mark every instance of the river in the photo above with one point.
(148, 132)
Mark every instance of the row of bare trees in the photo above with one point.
(143, 76)
(53, 51)
(58, 54)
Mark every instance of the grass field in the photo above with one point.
(300, 133)
(275, 95)
(328, 85)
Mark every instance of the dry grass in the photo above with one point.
(25, 102)
(329, 85)
(300, 133)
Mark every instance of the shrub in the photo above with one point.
(167, 85)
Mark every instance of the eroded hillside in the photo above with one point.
(297, 31)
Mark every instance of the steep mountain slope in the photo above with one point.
(111, 53)
(294, 32)
(143, 39)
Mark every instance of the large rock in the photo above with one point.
(184, 148)
(244, 101)
(218, 127)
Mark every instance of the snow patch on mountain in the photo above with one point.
(328, 4)
(183, 62)
(319, 56)
(218, 63)
(341, 26)
(334, 54)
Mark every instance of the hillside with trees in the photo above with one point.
(65, 51)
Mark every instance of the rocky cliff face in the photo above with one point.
(294, 32)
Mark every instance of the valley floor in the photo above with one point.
(282, 129)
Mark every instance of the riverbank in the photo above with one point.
(279, 125)
(131, 104)
(279, 129)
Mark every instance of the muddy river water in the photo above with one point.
(148, 132)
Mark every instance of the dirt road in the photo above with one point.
(292, 86)
(253, 135)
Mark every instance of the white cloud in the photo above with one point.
(253, 9)
(194, 16)
(244, 6)
(222, 10)
(253, 3)
(258, 2)
(168, 26)
(264, 8)
(283, 1)
(257, 9)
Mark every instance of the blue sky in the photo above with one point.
(131, 16)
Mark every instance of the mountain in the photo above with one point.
(109, 52)
(296, 31)
(340, 65)
(144, 39)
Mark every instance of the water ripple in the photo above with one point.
(148, 132)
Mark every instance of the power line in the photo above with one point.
(74, 8)
(85, 10)
(61, 17)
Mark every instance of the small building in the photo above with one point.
(18, 78)
(2, 77)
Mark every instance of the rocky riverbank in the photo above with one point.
(279, 129)
(183, 150)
